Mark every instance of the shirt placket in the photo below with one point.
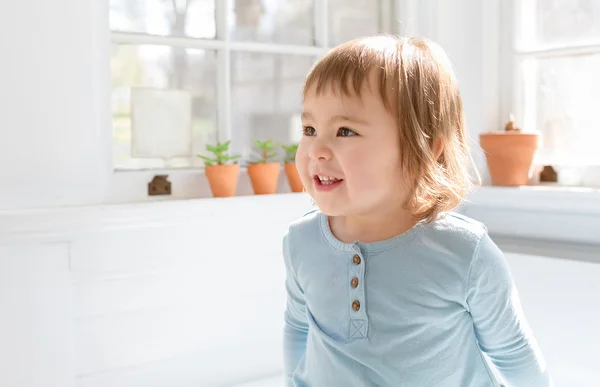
(357, 303)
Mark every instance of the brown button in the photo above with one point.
(356, 259)
(356, 305)
(354, 282)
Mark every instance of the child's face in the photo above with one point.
(355, 141)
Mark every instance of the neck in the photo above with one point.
(372, 227)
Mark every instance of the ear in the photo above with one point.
(438, 147)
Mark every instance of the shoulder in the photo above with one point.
(464, 245)
(307, 222)
(305, 228)
(460, 223)
(469, 239)
(458, 229)
(456, 237)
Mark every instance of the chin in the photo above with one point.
(331, 209)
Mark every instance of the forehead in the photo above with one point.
(355, 90)
(333, 99)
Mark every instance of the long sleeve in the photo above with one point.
(296, 324)
(500, 325)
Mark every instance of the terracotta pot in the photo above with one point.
(264, 177)
(223, 179)
(293, 177)
(509, 156)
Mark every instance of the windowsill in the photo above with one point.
(67, 223)
(130, 186)
(547, 216)
(541, 220)
(192, 184)
(550, 197)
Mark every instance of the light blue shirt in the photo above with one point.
(417, 310)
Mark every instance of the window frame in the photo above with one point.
(514, 96)
(224, 46)
(130, 185)
(529, 216)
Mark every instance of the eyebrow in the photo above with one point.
(308, 116)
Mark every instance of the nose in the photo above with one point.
(320, 151)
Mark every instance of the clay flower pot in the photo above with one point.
(222, 179)
(509, 156)
(293, 177)
(263, 177)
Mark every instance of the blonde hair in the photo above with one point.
(417, 85)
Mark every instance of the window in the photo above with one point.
(557, 87)
(186, 73)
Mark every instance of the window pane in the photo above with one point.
(276, 21)
(350, 19)
(568, 98)
(267, 100)
(560, 21)
(165, 68)
(191, 18)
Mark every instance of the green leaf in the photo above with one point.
(211, 148)
(291, 149)
(223, 146)
(207, 159)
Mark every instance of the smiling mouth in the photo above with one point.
(326, 183)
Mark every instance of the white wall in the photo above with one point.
(560, 300)
(191, 294)
(54, 121)
(178, 294)
(469, 31)
(36, 327)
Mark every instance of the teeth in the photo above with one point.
(326, 180)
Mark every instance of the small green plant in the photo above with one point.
(221, 154)
(266, 151)
(290, 152)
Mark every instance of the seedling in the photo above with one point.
(221, 155)
(266, 151)
(290, 152)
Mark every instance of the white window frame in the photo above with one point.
(554, 215)
(515, 96)
(129, 185)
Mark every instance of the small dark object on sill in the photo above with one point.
(548, 175)
(159, 186)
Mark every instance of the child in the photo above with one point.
(386, 285)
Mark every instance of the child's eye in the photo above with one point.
(345, 132)
(309, 131)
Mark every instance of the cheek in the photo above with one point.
(302, 159)
(363, 172)
(375, 170)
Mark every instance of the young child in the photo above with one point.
(386, 285)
